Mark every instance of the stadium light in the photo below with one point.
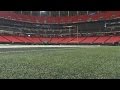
(68, 26)
(28, 35)
(42, 11)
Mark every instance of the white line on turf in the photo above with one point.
(39, 50)
(55, 47)
(29, 46)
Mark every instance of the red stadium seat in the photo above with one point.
(2, 39)
(13, 39)
(113, 40)
(89, 40)
(58, 20)
(101, 40)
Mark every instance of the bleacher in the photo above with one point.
(89, 40)
(60, 40)
(3, 40)
(113, 40)
(66, 40)
(24, 39)
(78, 40)
(12, 39)
(48, 28)
(101, 40)
(54, 40)
(59, 20)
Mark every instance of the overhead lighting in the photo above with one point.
(42, 11)
(68, 26)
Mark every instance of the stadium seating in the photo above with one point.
(113, 40)
(101, 40)
(34, 40)
(24, 39)
(66, 40)
(89, 40)
(45, 40)
(54, 40)
(77, 40)
(48, 23)
(13, 39)
(3, 40)
(58, 20)
(61, 40)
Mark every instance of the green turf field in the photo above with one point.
(60, 63)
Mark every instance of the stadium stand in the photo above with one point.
(113, 40)
(24, 39)
(58, 20)
(89, 40)
(3, 40)
(101, 40)
(60, 29)
(12, 39)
(67, 40)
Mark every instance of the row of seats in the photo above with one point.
(61, 40)
(58, 20)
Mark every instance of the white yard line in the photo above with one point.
(29, 46)
(39, 50)
(54, 47)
